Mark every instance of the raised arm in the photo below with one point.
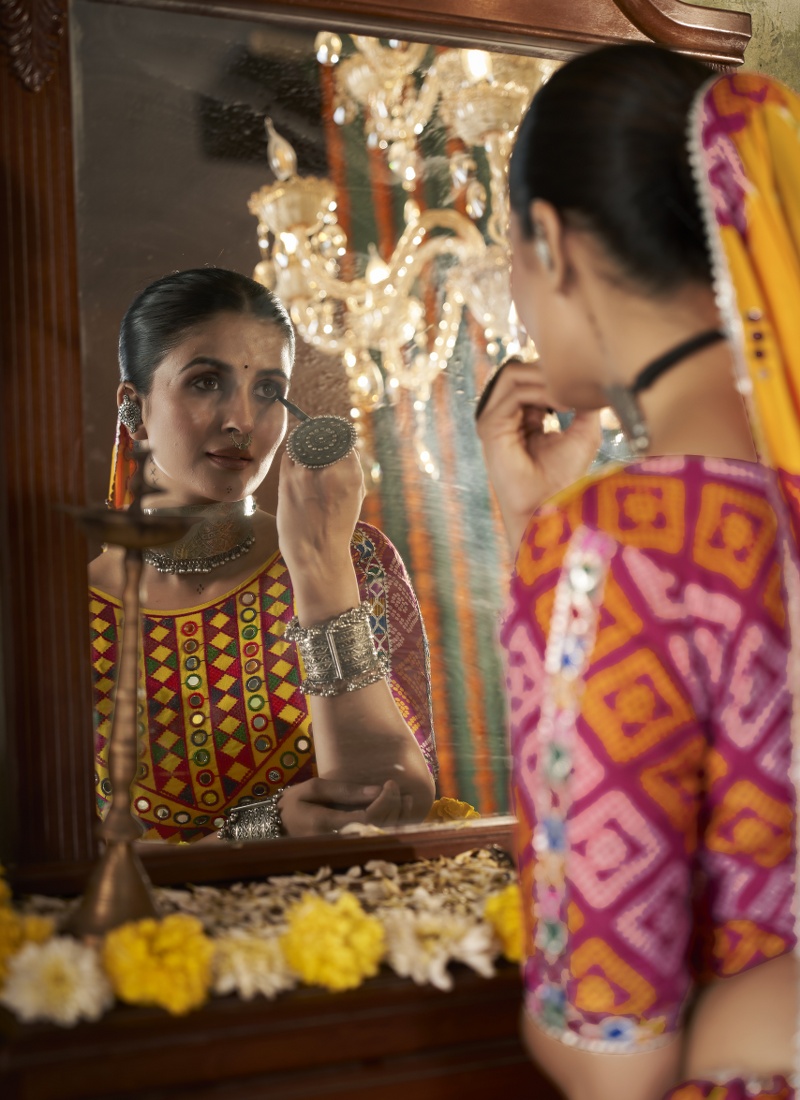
(360, 736)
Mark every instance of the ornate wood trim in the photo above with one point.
(46, 811)
(705, 31)
(548, 27)
(34, 31)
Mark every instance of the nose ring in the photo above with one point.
(243, 441)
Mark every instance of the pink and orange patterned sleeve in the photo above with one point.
(653, 846)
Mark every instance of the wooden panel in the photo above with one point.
(380, 1040)
(44, 647)
(46, 812)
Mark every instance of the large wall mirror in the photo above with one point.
(164, 107)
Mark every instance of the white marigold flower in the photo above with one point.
(421, 945)
(247, 965)
(61, 981)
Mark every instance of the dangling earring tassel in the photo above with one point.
(123, 467)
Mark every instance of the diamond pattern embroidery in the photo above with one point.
(224, 711)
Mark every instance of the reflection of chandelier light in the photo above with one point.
(384, 325)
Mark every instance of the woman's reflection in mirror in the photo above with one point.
(328, 726)
(653, 615)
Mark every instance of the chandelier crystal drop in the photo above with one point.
(395, 325)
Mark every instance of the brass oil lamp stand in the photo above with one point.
(118, 889)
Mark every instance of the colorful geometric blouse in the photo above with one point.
(222, 720)
(647, 652)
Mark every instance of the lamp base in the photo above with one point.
(118, 891)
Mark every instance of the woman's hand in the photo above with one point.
(316, 516)
(526, 464)
(320, 806)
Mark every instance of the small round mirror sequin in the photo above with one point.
(321, 441)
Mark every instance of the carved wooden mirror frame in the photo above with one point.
(46, 808)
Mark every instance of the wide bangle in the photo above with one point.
(339, 655)
(254, 821)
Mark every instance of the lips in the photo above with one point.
(229, 459)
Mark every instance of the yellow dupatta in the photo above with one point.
(745, 146)
(745, 151)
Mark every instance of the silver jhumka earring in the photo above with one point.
(129, 414)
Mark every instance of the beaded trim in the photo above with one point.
(569, 646)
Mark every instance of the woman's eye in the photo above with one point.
(206, 382)
(269, 390)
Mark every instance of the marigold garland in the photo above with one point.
(333, 944)
(503, 911)
(160, 962)
(332, 929)
(15, 932)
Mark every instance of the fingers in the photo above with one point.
(387, 809)
(335, 792)
(518, 389)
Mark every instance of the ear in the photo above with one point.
(126, 389)
(549, 244)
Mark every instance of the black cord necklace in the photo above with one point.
(623, 398)
(647, 376)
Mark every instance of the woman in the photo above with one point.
(651, 633)
(205, 357)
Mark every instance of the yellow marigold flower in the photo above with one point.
(160, 962)
(333, 944)
(16, 931)
(451, 809)
(504, 912)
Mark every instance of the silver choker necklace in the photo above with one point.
(222, 533)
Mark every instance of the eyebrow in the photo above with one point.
(209, 361)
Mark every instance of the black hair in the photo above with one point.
(159, 317)
(605, 142)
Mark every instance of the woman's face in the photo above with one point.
(217, 384)
(555, 316)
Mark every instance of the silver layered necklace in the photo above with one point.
(223, 532)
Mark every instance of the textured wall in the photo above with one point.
(775, 47)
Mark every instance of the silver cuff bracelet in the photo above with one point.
(339, 655)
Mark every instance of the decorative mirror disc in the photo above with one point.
(321, 440)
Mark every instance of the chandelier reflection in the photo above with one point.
(394, 326)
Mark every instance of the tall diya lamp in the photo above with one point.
(118, 889)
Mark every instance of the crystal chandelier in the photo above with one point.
(380, 322)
